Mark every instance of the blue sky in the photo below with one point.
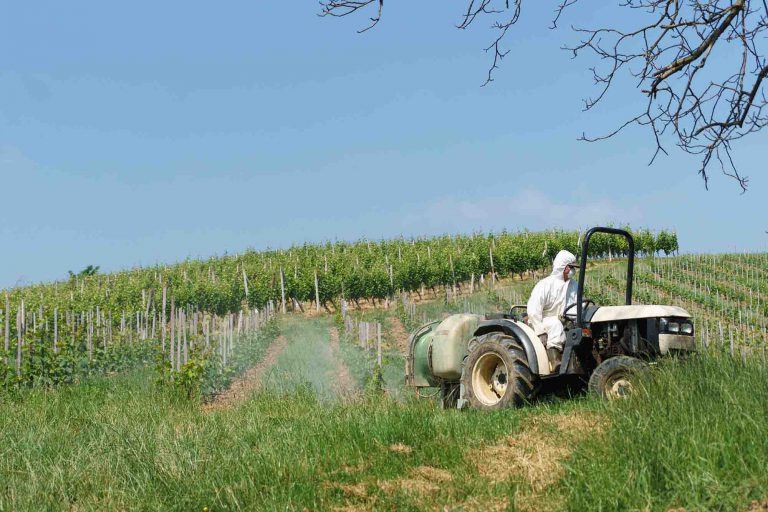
(142, 133)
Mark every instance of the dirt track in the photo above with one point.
(250, 381)
(345, 384)
(399, 334)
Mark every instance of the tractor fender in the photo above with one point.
(534, 349)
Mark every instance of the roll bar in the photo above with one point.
(583, 273)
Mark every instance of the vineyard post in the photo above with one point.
(730, 335)
(378, 344)
(282, 290)
(493, 271)
(179, 327)
(162, 320)
(721, 338)
(173, 334)
(184, 334)
(453, 276)
(19, 329)
(705, 338)
(56, 330)
(223, 343)
(7, 326)
(231, 333)
(104, 332)
(89, 329)
(317, 294)
(245, 283)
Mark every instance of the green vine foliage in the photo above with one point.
(361, 270)
(204, 375)
(42, 366)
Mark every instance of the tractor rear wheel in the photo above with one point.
(616, 377)
(496, 374)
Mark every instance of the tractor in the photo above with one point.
(496, 361)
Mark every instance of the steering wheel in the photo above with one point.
(584, 304)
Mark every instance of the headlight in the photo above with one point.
(675, 326)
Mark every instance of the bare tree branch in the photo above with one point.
(341, 8)
(668, 54)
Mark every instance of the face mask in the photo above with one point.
(571, 273)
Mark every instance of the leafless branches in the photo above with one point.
(341, 8)
(701, 64)
(702, 67)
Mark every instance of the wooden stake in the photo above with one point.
(173, 335)
(55, 330)
(7, 326)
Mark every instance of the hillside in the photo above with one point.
(310, 428)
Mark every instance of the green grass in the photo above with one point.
(124, 443)
(696, 438)
(306, 361)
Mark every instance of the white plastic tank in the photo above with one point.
(450, 344)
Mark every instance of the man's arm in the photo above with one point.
(536, 309)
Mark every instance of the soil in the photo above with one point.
(345, 384)
(399, 334)
(245, 385)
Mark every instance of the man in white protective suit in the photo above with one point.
(548, 301)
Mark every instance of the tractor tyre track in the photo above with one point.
(399, 334)
(245, 385)
(345, 384)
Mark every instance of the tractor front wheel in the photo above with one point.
(496, 374)
(616, 377)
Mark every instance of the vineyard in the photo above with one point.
(318, 275)
(168, 315)
(260, 405)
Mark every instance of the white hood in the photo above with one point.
(613, 313)
(562, 260)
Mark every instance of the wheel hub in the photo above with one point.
(490, 377)
(620, 388)
(499, 380)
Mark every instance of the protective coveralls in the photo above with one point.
(549, 299)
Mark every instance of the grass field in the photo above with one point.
(693, 439)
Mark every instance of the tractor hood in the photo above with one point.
(611, 313)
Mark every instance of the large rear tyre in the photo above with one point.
(496, 374)
(616, 377)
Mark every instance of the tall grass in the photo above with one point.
(125, 444)
(695, 437)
